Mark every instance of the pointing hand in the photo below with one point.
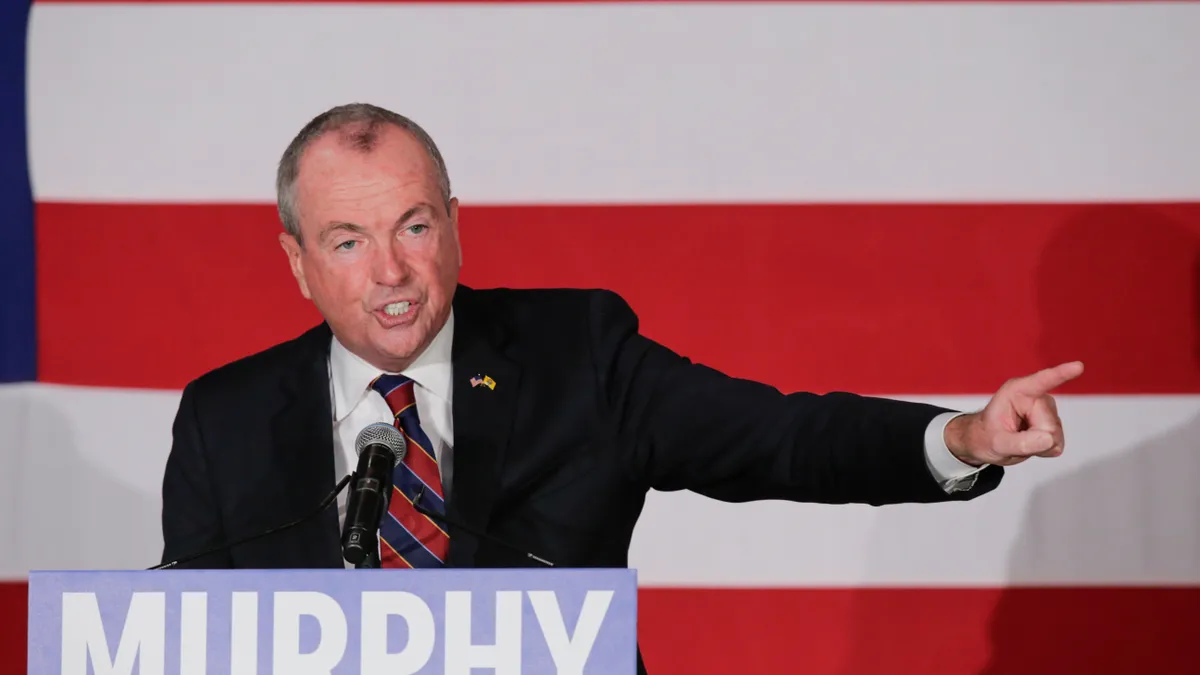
(1021, 421)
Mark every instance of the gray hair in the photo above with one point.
(359, 124)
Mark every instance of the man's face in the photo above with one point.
(381, 254)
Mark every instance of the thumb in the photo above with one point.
(1024, 443)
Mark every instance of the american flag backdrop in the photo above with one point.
(917, 200)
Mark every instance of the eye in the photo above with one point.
(418, 228)
(345, 245)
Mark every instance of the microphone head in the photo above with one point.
(382, 433)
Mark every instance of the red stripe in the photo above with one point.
(871, 298)
(400, 398)
(419, 461)
(920, 631)
(419, 526)
(388, 557)
(868, 631)
(14, 613)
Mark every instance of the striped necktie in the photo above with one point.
(408, 537)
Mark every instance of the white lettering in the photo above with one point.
(289, 607)
(570, 654)
(141, 648)
(462, 655)
(376, 607)
(143, 637)
(193, 633)
(243, 631)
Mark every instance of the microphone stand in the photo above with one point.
(329, 499)
(452, 523)
(371, 561)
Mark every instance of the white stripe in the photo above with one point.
(632, 103)
(83, 476)
(1119, 507)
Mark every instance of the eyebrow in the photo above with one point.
(423, 207)
(336, 226)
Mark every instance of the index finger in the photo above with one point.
(1051, 378)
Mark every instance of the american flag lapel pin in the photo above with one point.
(485, 380)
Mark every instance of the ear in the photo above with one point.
(454, 227)
(293, 250)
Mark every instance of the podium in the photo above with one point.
(333, 622)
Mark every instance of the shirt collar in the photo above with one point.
(352, 376)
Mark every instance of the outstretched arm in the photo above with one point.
(688, 426)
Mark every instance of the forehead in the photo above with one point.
(357, 159)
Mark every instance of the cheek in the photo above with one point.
(446, 263)
(427, 265)
(337, 284)
(438, 275)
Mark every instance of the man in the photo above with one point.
(540, 417)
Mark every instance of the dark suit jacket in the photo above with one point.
(586, 417)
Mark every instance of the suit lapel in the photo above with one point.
(302, 430)
(483, 421)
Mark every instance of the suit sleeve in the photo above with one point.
(191, 520)
(686, 426)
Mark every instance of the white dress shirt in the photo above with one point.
(356, 405)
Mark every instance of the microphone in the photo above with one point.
(329, 499)
(381, 447)
(453, 523)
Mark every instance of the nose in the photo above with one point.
(389, 266)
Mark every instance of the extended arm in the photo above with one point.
(688, 426)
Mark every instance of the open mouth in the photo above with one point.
(397, 308)
(396, 314)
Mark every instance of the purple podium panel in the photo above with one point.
(334, 622)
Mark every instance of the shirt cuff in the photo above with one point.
(951, 473)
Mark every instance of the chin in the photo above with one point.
(403, 349)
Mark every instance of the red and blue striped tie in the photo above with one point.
(409, 538)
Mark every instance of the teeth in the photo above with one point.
(396, 308)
